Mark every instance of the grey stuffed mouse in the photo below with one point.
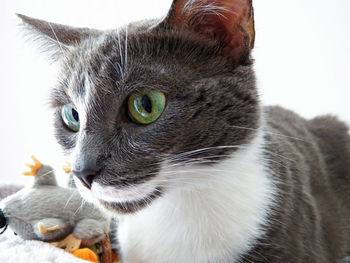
(48, 212)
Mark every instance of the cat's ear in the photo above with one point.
(229, 21)
(57, 37)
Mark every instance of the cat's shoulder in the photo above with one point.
(324, 125)
(330, 134)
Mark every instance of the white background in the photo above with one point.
(302, 62)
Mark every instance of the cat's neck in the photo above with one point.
(218, 213)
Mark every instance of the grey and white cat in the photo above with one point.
(164, 127)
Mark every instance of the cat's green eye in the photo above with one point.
(70, 118)
(146, 107)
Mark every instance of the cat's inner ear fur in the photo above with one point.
(56, 36)
(229, 21)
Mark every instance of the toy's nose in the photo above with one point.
(3, 221)
(86, 169)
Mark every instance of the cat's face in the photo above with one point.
(136, 104)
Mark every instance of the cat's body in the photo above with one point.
(312, 166)
(304, 191)
(214, 178)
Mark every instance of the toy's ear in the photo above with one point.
(56, 38)
(231, 22)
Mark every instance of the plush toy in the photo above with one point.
(50, 213)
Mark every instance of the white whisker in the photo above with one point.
(118, 70)
(206, 149)
(83, 201)
(68, 200)
(126, 49)
(121, 54)
(61, 49)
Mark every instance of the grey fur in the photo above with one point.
(8, 189)
(311, 160)
(211, 101)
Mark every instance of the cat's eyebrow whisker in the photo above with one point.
(61, 49)
(97, 79)
(118, 70)
(109, 78)
(126, 49)
(120, 53)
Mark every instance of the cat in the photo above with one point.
(165, 130)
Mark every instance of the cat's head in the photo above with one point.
(135, 104)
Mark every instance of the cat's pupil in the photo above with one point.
(75, 115)
(146, 103)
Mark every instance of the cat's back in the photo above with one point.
(324, 137)
(310, 163)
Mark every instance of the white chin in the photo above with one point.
(114, 194)
(121, 195)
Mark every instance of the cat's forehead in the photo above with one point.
(108, 49)
(85, 66)
(123, 60)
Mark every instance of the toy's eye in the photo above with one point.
(2, 219)
(70, 117)
(146, 107)
(3, 222)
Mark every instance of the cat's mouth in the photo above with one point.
(124, 200)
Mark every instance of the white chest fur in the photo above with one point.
(207, 214)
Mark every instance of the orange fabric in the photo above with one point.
(86, 254)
